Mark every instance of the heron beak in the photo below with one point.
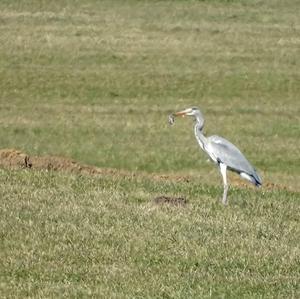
(182, 113)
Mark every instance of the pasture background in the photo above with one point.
(95, 81)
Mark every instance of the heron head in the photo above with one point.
(193, 111)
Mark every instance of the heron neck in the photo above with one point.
(202, 140)
(199, 119)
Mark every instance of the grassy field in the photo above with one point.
(95, 81)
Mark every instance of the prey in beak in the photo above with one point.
(182, 113)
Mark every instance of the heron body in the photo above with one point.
(222, 152)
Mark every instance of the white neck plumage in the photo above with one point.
(199, 135)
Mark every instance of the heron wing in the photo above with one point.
(227, 153)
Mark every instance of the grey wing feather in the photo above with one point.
(226, 152)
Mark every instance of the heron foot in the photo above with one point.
(224, 201)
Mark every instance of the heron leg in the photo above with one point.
(223, 170)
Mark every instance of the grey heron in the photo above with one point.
(221, 151)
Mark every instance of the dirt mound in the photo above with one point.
(11, 158)
(175, 201)
(15, 159)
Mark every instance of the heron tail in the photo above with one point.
(257, 179)
(254, 178)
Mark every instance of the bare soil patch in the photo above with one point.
(16, 159)
(175, 201)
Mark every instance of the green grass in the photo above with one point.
(95, 81)
(74, 236)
